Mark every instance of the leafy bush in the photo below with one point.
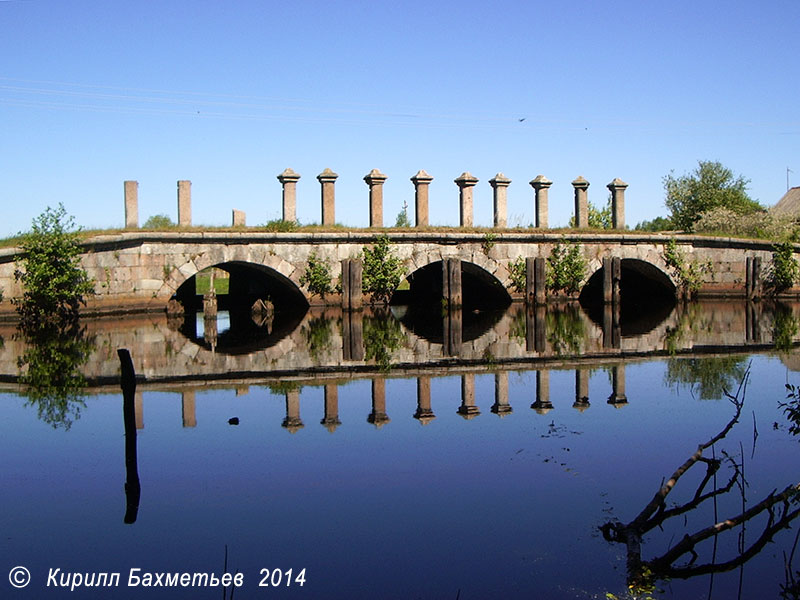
(517, 274)
(566, 268)
(382, 337)
(784, 271)
(689, 274)
(402, 219)
(55, 284)
(317, 276)
(760, 224)
(158, 222)
(599, 218)
(657, 224)
(382, 270)
(279, 225)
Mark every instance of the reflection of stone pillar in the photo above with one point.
(421, 183)
(375, 181)
(451, 282)
(331, 419)
(188, 409)
(138, 409)
(289, 180)
(542, 405)
(468, 410)
(501, 406)
(424, 411)
(581, 202)
(353, 335)
(452, 325)
(618, 396)
(581, 389)
(131, 204)
(378, 416)
(617, 189)
(352, 276)
(327, 179)
(465, 183)
(185, 203)
(500, 185)
(541, 185)
(293, 422)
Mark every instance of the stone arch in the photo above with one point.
(636, 274)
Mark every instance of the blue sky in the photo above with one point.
(229, 94)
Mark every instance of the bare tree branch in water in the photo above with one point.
(781, 509)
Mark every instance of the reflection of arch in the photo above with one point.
(481, 289)
(248, 282)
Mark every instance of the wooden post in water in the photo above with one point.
(451, 282)
(133, 488)
(352, 278)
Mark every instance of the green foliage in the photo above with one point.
(488, 242)
(55, 284)
(279, 388)
(791, 408)
(566, 267)
(281, 226)
(565, 331)
(784, 271)
(657, 224)
(518, 274)
(784, 328)
(50, 368)
(383, 271)
(709, 377)
(709, 186)
(318, 335)
(382, 337)
(202, 283)
(317, 276)
(690, 275)
(599, 218)
(402, 219)
(158, 222)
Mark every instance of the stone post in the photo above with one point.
(542, 405)
(424, 413)
(131, 204)
(468, 410)
(501, 405)
(541, 185)
(289, 180)
(421, 182)
(375, 181)
(581, 202)
(465, 183)
(184, 203)
(331, 419)
(188, 414)
(378, 416)
(293, 422)
(327, 179)
(238, 218)
(500, 185)
(617, 189)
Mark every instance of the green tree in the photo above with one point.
(383, 271)
(566, 267)
(158, 222)
(317, 276)
(657, 224)
(55, 284)
(709, 186)
(402, 217)
(599, 218)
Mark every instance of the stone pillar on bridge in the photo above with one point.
(331, 419)
(375, 181)
(424, 413)
(465, 183)
(327, 179)
(421, 183)
(289, 181)
(541, 185)
(378, 416)
(581, 389)
(468, 410)
(500, 185)
(188, 414)
(617, 189)
(618, 397)
(131, 204)
(185, 203)
(501, 405)
(542, 404)
(581, 202)
(238, 218)
(293, 422)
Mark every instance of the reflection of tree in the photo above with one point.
(784, 327)
(382, 336)
(50, 368)
(708, 376)
(565, 330)
(317, 333)
(780, 509)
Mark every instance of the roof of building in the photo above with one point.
(789, 204)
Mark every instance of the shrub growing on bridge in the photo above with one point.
(317, 276)
(383, 271)
(566, 268)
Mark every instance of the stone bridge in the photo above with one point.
(144, 270)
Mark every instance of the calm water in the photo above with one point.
(472, 500)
